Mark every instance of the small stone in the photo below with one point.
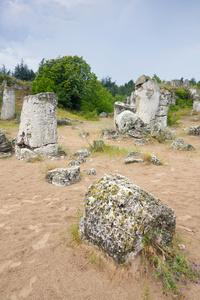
(91, 172)
(63, 177)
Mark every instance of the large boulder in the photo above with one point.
(128, 120)
(161, 133)
(38, 126)
(147, 93)
(63, 177)
(5, 144)
(119, 213)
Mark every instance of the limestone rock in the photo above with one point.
(110, 134)
(78, 161)
(155, 160)
(63, 177)
(82, 153)
(180, 145)
(194, 130)
(38, 125)
(5, 144)
(103, 115)
(142, 79)
(119, 213)
(64, 122)
(147, 100)
(8, 105)
(142, 142)
(119, 107)
(128, 120)
(91, 172)
(98, 145)
(161, 133)
(133, 157)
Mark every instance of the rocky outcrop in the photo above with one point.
(64, 122)
(119, 213)
(179, 144)
(63, 177)
(38, 125)
(194, 130)
(5, 144)
(8, 105)
(139, 157)
(161, 133)
(120, 107)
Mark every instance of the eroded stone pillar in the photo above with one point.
(38, 126)
(8, 106)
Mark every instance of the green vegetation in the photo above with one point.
(70, 77)
(157, 78)
(169, 265)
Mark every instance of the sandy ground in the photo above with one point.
(35, 218)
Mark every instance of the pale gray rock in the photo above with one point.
(5, 144)
(142, 142)
(110, 134)
(63, 177)
(155, 160)
(161, 133)
(38, 125)
(8, 105)
(119, 107)
(119, 213)
(128, 120)
(179, 144)
(91, 172)
(82, 153)
(134, 157)
(142, 79)
(98, 145)
(194, 130)
(78, 161)
(85, 134)
(103, 115)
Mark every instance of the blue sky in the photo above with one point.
(122, 39)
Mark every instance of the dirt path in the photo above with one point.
(35, 218)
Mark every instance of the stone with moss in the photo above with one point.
(119, 213)
(63, 177)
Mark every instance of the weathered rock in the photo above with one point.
(64, 122)
(38, 126)
(155, 160)
(5, 144)
(142, 142)
(119, 107)
(142, 79)
(147, 100)
(194, 130)
(133, 157)
(128, 120)
(77, 162)
(82, 153)
(103, 115)
(161, 133)
(98, 145)
(91, 172)
(63, 177)
(110, 134)
(5, 155)
(85, 134)
(180, 145)
(8, 105)
(118, 214)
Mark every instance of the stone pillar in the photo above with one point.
(147, 93)
(8, 106)
(38, 126)
(119, 107)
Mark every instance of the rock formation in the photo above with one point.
(8, 106)
(63, 177)
(118, 214)
(38, 126)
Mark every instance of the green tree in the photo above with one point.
(157, 78)
(70, 77)
(193, 81)
(3, 70)
(22, 72)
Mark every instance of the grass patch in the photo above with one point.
(100, 147)
(75, 236)
(37, 158)
(169, 265)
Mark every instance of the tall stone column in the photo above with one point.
(38, 126)
(8, 106)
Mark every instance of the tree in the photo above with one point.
(157, 78)
(3, 70)
(193, 81)
(70, 77)
(22, 72)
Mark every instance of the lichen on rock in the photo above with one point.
(119, 213)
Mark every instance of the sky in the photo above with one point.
(122, 39)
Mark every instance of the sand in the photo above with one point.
(36, 261)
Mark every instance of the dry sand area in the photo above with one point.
(35, 218)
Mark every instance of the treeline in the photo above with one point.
(21, 71)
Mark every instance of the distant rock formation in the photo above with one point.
(8, 106)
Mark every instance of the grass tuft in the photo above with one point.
(169, 265)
